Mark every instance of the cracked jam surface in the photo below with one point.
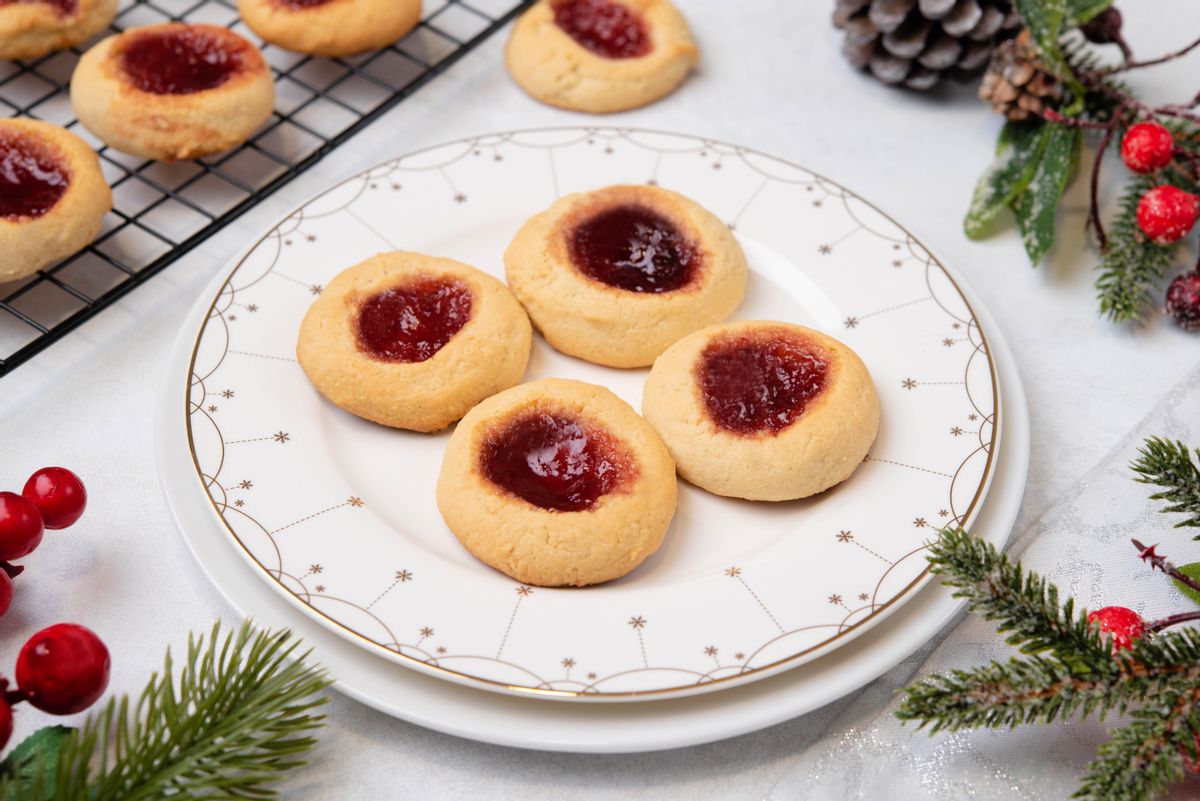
(634, 248)
(553, 461)
(32, 177)
(180, 61)
(604, 27)
(760, 381)
(411, 322)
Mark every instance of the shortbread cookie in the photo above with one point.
(173, 91)
(618, 275)
(53, 196)
(330, 27)
(600, 55)
(762, 410)
(557, 483)
(33, 29)
(413, 341)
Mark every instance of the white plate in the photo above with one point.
(339, 516)
(593, 728)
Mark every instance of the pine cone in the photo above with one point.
(1017, 83)
(915, 42)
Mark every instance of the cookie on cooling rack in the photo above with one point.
(762, 410)
(600, 55)
(557, 483)
(173, 91)
(330, 27)
(617, 275)
(412, 341)
(53, 196)
(33, 29)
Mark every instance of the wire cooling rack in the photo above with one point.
(162, 211)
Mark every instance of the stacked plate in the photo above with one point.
(750, 613)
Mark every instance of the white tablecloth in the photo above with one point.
(771, 78)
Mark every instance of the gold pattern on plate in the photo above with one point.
(282, 437)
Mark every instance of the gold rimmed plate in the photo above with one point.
(338, 515)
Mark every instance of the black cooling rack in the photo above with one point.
(162, 211)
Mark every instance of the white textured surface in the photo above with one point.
(771, 79)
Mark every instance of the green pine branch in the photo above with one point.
(1068, 671)
(1168, 464)
(1010, 694)
(237, 716)
(1131, 266)
(1025, 605)
(1144, 758)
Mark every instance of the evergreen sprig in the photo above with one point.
(236, 716)
(1132, 265)
(1069, 671)
(1025, 605)
(1168, 464)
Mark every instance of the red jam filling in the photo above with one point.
(300, 5)
(760, 382)
(604, 27)
(181, 60)
(633, 248)
(413, 321)
(63, 7)
(553, 461)
(32, 178)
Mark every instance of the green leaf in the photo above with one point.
(1192, 571)
(1080, 11)
(1046, 20)
(37, 753)
(1017, 156)
(1037, 206)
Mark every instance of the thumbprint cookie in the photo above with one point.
(33, 28)
(330, 27)
(618, 275)
(53, 196)
(412, 341)
(173, 91)
(762, 410)
(557, 483)
(600, 56)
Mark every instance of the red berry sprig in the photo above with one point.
(1123, 624)
(61, 670)
(1183, 300)
(1147, 147)
(1166, 213)
(53, 498)
(58, 494)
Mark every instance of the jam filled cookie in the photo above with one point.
(557, 483)
(762, 410)
(330, 27)
(33, 28)
(413, 341)
(53, 196)
(600, 55)
(616, 276)
(173, 91)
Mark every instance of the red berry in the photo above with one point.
(1183, 300)
(1147, 147)
(1166, 213)
(58, 494)
(20, 526)
(6, 720)
(1125, 625)
(63, 669)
